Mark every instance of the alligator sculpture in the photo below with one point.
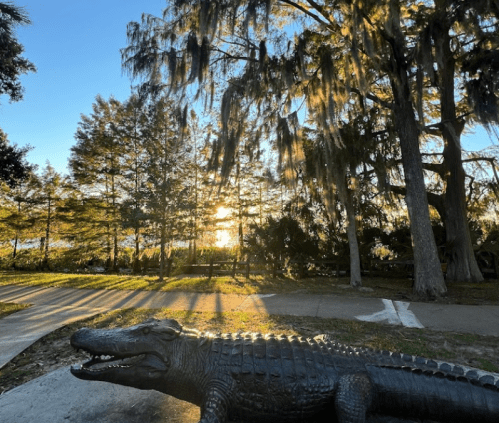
(269, 378)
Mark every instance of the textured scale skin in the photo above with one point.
(275, 378)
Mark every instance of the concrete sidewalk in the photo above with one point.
(56, 307)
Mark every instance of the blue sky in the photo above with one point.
(75, 46)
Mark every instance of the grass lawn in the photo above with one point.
(9, 308)
(392, 288)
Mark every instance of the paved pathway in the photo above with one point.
(56, 307)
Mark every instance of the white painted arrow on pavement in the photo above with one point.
(395, 313)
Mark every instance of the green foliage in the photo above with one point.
(280, 239)
(12, 64)
(13, 165)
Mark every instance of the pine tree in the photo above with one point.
(50, 196)
(95, 164)
(12, 64)
(83, 218)
(13, 165)
(130, 124)
(21, 213)
(167, 198)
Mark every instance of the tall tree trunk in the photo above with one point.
(194, 249)
(240, 211)
(162, 254)
(347, 198)
(115, 247)
(136, 259)
(109, 249)
(428, 276)
(47, 234)
(16, 239)
(461, 262)
(115, 225)
(194, 257)
(14, 253)
(355, 270)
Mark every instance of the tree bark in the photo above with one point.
(47, 234)
(461, 262)
(162, 256)
(428, 276)
(347, 198)
(14, 252)
(136, 259)
(16, 239)
(355, 270)
(115, 225)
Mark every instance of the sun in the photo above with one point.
(222, 212)
(224, 238)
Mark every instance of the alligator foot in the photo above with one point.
(214, 409)
(353, 398)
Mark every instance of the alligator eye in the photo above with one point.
(146, 331)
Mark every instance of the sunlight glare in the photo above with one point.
(223, 238)
(222, 212)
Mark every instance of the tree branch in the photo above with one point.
(435, 167)
(302, 9)
(230, 56)
(373, 98)
(320, 9)
(491, 160)
(435, 200)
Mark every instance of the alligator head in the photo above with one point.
(138, 356)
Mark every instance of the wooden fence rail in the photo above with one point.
(302, 267)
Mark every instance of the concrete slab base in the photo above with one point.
(59, 397)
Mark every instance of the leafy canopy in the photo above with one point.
(12, 64)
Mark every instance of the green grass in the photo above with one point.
(484, 293)
(9, 308)
(487, 365)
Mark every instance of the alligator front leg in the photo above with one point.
(214, 408)
(353, 398)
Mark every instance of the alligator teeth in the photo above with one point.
(99, 363)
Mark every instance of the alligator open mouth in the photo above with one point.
(104, 363)
(123, 354)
